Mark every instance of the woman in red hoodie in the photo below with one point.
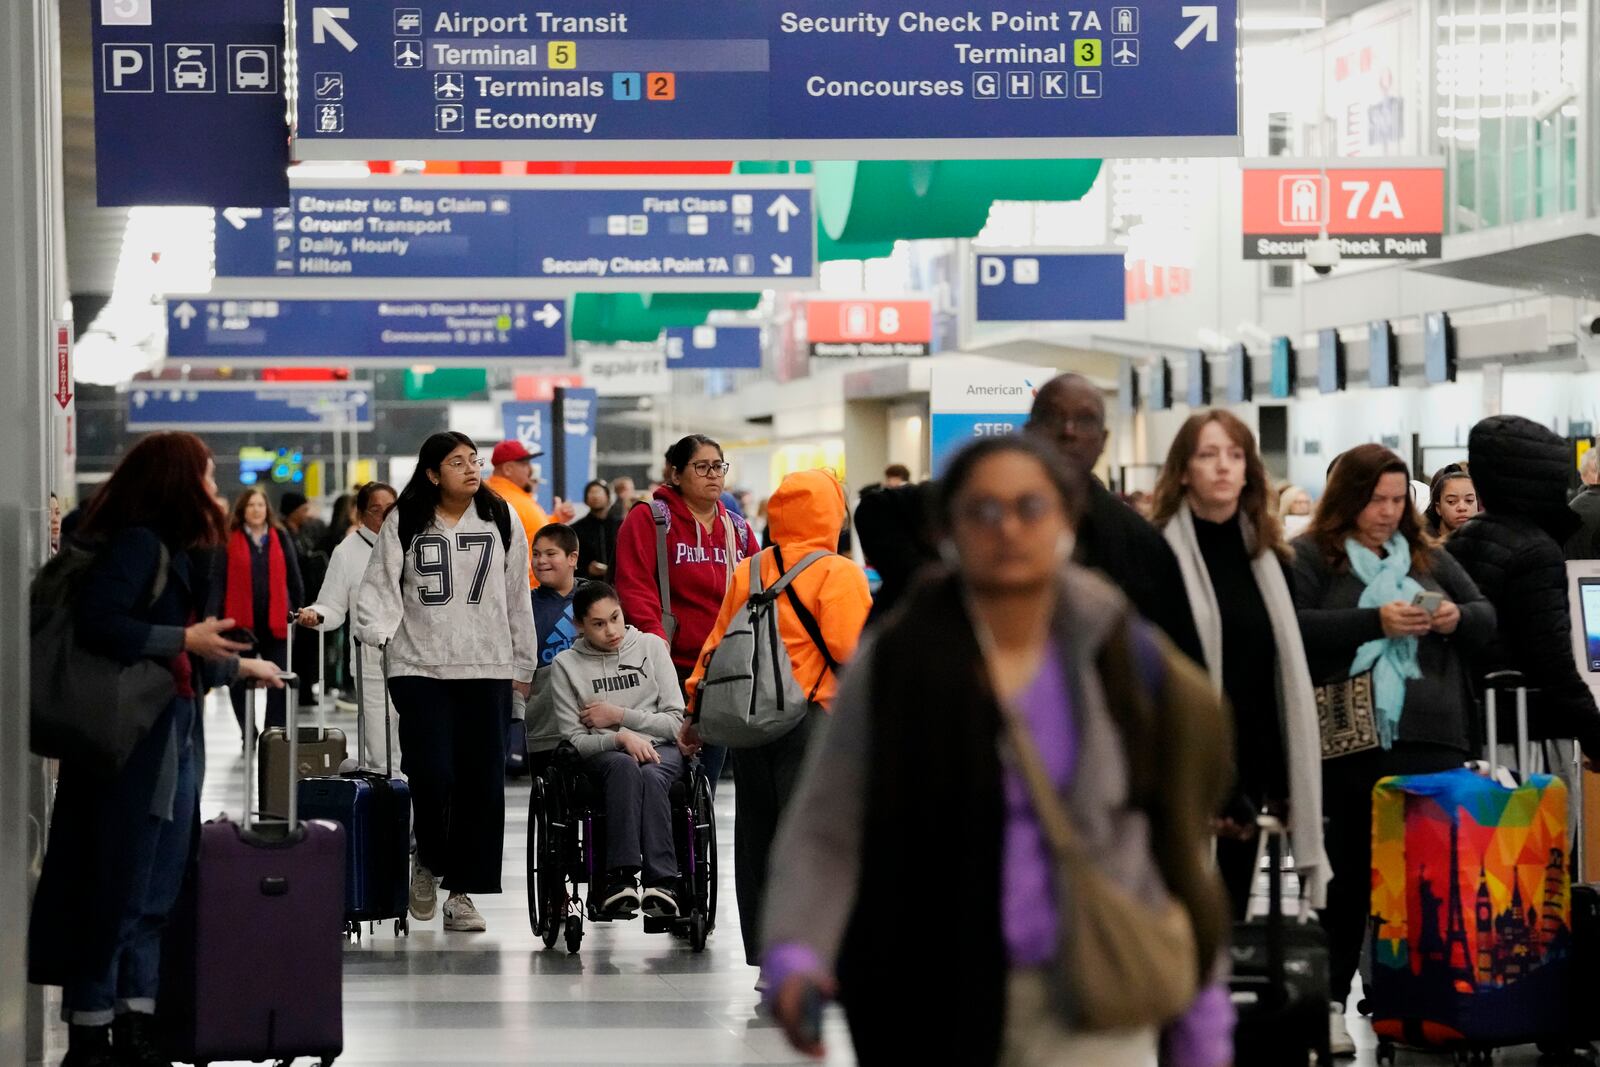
(705, 544)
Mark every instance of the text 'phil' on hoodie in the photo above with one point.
(806, 514)
(637, 677)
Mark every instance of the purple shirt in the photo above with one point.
(1027, 897)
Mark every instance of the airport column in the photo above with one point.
(30, 220)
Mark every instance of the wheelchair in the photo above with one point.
(566, 853)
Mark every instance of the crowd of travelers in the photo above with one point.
(1050, 697)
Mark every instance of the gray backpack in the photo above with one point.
(749, 696)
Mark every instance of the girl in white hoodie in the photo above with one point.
(617, 701)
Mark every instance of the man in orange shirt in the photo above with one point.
(514, 480)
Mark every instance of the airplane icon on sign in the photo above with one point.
(406, 54)
(1125, 53)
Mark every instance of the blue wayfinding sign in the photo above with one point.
(1050, 287)
(700, 234)
(714, 348)
(189, 103)
(781, 79)
(245, 406)
(528, 421)
(574, 412)
(373, 333)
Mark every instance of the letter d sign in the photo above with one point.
(127, 68)
(991, 271)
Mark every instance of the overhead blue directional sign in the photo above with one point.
(1031, 286)
(508, 237)
(714, 348)
(189, 103)
(243, 406)
(369, 333)
(780, 79)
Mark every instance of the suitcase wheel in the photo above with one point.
(402, 925)
(1385, 1052)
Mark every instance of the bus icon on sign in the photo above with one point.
(1301, 200)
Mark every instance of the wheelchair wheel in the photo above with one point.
(705, 846)
(697, 932)
(574, 933)
(545, 871)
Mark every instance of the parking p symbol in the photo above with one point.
(127, 68)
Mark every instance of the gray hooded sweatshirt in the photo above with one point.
(637, 677)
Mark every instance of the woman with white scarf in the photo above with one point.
(1215, 504)
(1358, 572)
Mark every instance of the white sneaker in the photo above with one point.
(461, 917)
(424, 894)
(659, 902)
(1339, 1040)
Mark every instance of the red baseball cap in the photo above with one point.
(510, 452)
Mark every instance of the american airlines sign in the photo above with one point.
(1370, 212)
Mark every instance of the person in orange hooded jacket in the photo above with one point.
(806, 513)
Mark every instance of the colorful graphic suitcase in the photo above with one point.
(1471, 920)
(375, 811)
(252, 963)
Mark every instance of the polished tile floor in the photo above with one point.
(501, 997)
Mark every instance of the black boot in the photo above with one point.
(134, 1037)
(89, 1046)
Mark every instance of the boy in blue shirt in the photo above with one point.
(555, 565)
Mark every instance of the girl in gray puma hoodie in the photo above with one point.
(616, 699)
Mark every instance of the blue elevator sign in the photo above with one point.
(244, 406)
(714, 348)
(782, 79)
(1050, 287)
(369, 333)
(189, 103)
(508, 236)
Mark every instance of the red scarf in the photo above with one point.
(241, 605)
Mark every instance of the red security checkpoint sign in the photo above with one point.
(1384, 212)
(850, 328)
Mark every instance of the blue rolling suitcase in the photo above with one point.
(375, 810)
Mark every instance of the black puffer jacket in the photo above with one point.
(1513, 552)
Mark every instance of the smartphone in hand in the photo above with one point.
(1427, 601)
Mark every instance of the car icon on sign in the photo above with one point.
(189, 72)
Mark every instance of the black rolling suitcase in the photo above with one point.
(1280, 976)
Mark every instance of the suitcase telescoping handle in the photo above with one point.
(1270, 839)
(361, 705)
(1495, 684)
(322, 659)
(292, 729)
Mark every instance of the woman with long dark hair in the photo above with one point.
(1358, 570)
(705, 543)
(447, 591)
(1009, 643)
(119, 843)
(1214, 503)
(263, 585)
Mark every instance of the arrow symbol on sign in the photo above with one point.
(782, 264)
(1205, 19)
(184, 313)
(549, 315)
(783, 209)
(237, 216)
(325, 24)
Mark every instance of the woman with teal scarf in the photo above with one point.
(1358, 570)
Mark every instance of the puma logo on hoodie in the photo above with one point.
(618, 683)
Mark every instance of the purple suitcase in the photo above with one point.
(252, 965)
